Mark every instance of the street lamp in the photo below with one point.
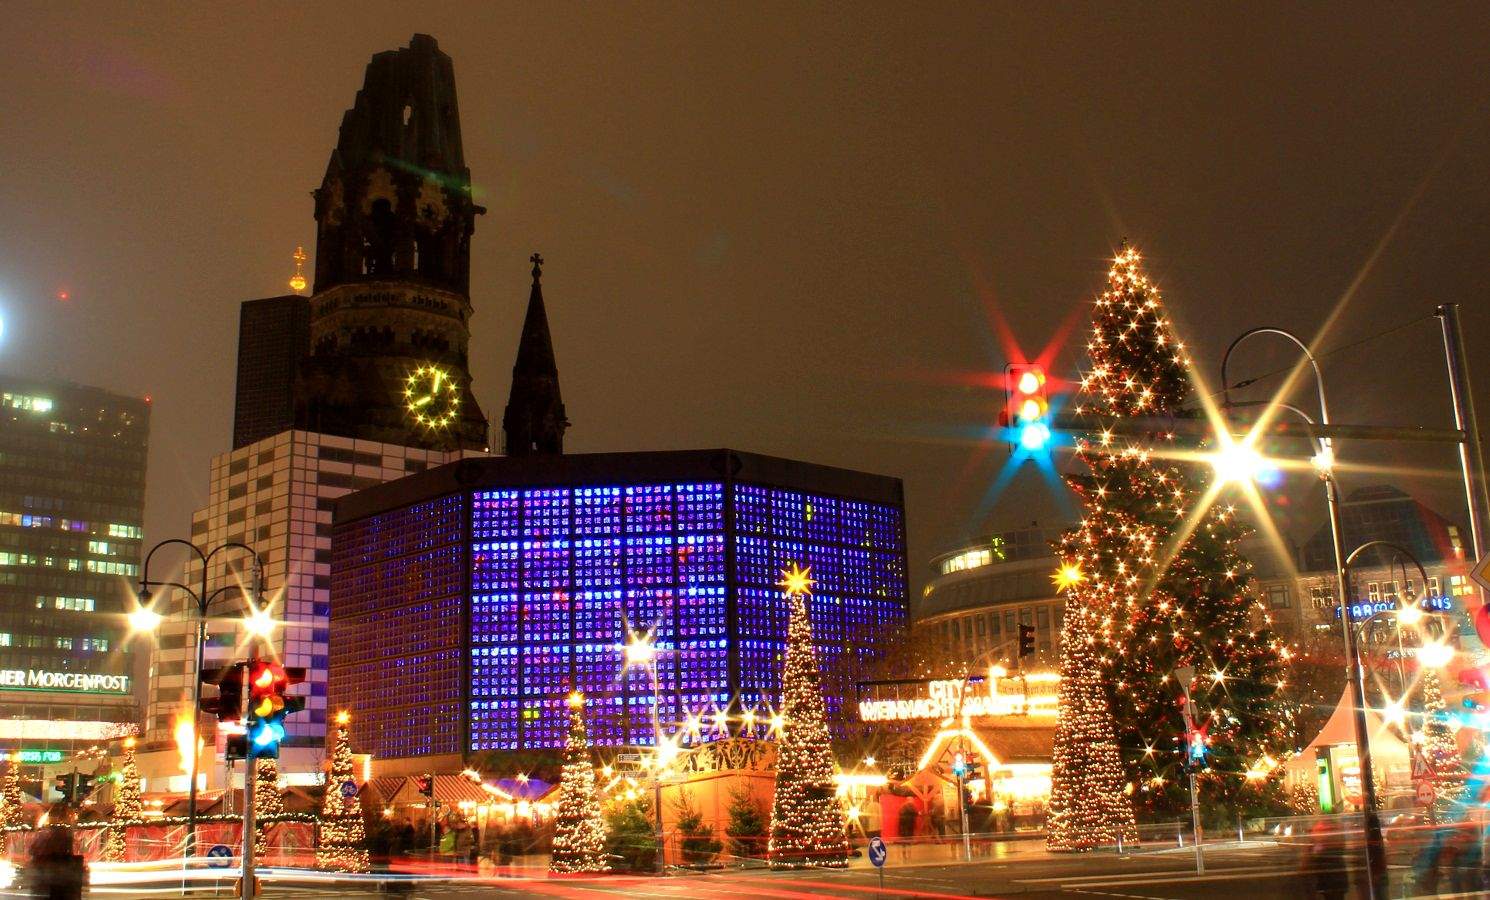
(145, 615)
(1324, 462)
(641, 652)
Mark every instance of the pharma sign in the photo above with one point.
(71, 682)
(1034, 695)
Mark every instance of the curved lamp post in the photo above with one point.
(1325, 454)
(203, 600)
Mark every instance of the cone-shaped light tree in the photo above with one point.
(267, 803)
(807, 823)
(11, 802)
(1154, 567)
(343, 836)
(1444, 759)
(127, 804)
(1089, 805)
(579, 827)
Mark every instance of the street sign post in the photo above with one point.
(349, 789)
(220, 856)
(877, 854)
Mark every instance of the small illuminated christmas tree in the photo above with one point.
(807, 823)
(343, 836)
(1444, 758)
(1088, 804)
(127, 804)
(579, 828)
(11, 804)
(267, 803)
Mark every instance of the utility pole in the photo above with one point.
(1185, 675)
(1471, 452)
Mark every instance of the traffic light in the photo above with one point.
(227, 706)
(1026, 640)
(73, 787)
(1027, 408)
(426, 784)
(268, 705)
(959, 765)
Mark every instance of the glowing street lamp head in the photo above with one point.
(1236, 463)
(1323, 461)
(1409, 615)
(640, 651)
(1435, 655)
(259, 623)
(144, 619)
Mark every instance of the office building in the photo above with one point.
(72, 498)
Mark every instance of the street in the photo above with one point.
(1257, 870)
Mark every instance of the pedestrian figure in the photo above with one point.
(55, 871)
(1322, 868)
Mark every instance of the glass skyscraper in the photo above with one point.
(72, 499)
(467, 602)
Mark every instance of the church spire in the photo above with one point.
(534, 422)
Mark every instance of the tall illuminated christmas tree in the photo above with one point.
(1444, 758)
(127, 804)
(1089, 805)
(343, 836)
(807, 823)
(579, 828)
(11, 803)
(1154, 564)
(267, 803)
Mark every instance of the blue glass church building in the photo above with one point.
(467, 601)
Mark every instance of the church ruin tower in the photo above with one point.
(534, 422)
(390, 314)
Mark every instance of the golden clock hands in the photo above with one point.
(422, 401)
(439, 376)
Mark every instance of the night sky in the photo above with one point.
(792, 231)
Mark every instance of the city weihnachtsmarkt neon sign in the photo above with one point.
(1034, 694)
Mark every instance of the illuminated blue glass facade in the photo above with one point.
(558, 574)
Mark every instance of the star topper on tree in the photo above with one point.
(796, 581)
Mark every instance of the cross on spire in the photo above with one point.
(537, 262)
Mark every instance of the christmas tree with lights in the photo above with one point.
(343, 836)
(1444, 759)
(1154, 566)
(807, 823)
(579, 828)
(127, 804)
(267, 803)
(11, 803)
(1089, 804)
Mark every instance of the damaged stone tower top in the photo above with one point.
(396, 199)
(390, 315)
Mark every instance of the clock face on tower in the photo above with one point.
(431, 397)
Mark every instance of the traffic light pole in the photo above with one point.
(249, 777)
